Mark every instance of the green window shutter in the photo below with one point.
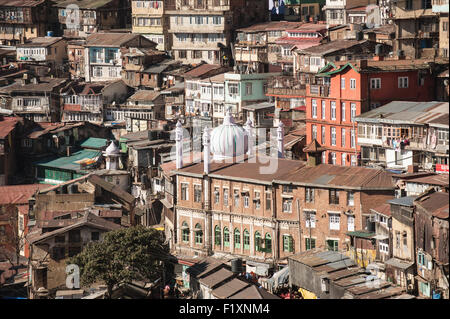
(291, 244)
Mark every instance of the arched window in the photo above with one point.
(226, 237)
(246, 239)
(237, 238)
(217, 236)
(268, 243)
(185, 232)
(257, 241)
(198, 234)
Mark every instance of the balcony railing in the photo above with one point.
(319, 90)
(285, 85)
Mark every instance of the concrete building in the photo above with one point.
(416, 29)
(104, 54)
(441, 8)
(416, 134)
(202, 30)
(304, 10)
(337, 12)
(149, 18)
(23, 20)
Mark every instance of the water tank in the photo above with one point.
(359, 35)
(236, 265)
(378, 49)
(49, 33)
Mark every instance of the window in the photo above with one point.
(352, 111)
(323, 136)
(58, 253)
(198, 234)
(258, 241)
(237, 238)
(225, 197)
(403, 82)
(332, 245)
(324, 109)
(333, 196)
(217, 236)
(226, 237)
(197, 54)
(343, 159)
(246, 200)
(324, 157)
(288, 243)
(74, 236)
(268, 200)
(350, 223)
(185, 232)
(287, 189)
(333, 158)
(233, 88)
(342, 83)
(287, 205)
(445, 26)
(310, 218)
(314, 109)
(352, 83)
(314, 132)
(351, 198)
(248, 89)
(257, 200)
(216, 195)
(197, 193)
(383, 246)
(95, 236)
(182, 54)
(352, 138)
(353, 160)
(333, 136)
(310, 243)
(184, 191)
(309, 195)
(343, 137)
(375, 83)
(333, 110)
(246, 239)
(268, 243)
(343, 111)
(236, 197)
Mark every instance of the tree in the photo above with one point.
(126, 254)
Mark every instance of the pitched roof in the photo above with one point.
(253, 292)
(109, 39)
(384, 209)
(19, 194)
(271, 26)
(436, 203)
(21, 3)
(438, 179)
(83, 4)
(40, 42)
(114, 189)
(201, 70)
(7, 125)
(314, 147)
(45, 84)
(229, 288)
(337, 45)
(88, 219)
(144, 95)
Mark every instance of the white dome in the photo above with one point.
(228, 139)
(112, 149)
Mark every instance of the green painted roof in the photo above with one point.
(94, 142)
(69, 162)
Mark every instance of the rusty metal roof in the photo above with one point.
(19, 194)
(229, 288)
(216, 277)
(204, 266)
(436, 203)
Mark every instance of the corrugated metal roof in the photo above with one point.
(94, 142)
(19, 194)
(231, 287)
(403, 201)
(398, 263)
(216, 277)
(69, 162)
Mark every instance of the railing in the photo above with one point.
(319, 90)
(285, 85)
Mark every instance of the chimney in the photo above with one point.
(363, 64)
(206, 150)
(248, 127)
(280, 138)
(179, 145)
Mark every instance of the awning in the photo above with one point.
(166, 203)
(380, 237)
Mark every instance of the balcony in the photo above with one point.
(319, 90)
(285, 85)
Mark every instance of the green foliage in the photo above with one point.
(126, 254)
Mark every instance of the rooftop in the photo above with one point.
(73, 162)
(21, 3)
(406, 112)
(144, 95)
(114, 40)
(201, 70)
(436, 203)
(271, 26)
(94, 143)
(7, 125)
(337, 45)
(40, 42)
(19, 194)
(83, 4)
(438, 180)
(403, 201)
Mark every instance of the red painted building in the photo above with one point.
(353, 88)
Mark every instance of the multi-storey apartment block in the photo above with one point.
(401, 134)
(149, 19)
(21, 20)
(202, 30)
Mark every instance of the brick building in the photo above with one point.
(352, 88)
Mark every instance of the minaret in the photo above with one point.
(248, 127)
(206, 150)
(112, 154)
(179, 145)
(280, 138)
